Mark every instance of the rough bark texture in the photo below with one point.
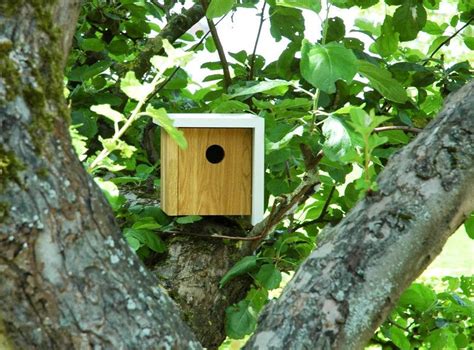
(191, 273)
(192, 267)
(176, 27)
(70, 279)
(347, 286)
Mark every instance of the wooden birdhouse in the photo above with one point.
(220, 173)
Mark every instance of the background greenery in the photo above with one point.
(350, 89)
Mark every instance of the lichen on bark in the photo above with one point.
(9, 167)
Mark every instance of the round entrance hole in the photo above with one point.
(215, 154)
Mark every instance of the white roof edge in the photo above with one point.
(216, 120)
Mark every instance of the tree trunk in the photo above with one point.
(67, 278)
(347, 286)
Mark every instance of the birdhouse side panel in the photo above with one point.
(215, 172)
(169, 174)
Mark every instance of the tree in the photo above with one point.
(72, 281)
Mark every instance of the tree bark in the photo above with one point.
(347, 286)
(68, 276)
(174, 29)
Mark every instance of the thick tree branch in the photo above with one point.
(347, 286)
(176, 27)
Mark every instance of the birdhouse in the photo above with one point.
(220, 173)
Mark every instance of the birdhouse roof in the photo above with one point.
(213, 120)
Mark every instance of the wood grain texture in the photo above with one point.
(169, 174)
(215, 189)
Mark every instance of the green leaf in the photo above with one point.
(469, 42)
(399, 338)
(218, 8)
(133, 242)
(257, 298)
(338, 141)
(277, 186)
(409, 19)
(110, 165)
(118, 47)
(434, 28)
(161, 118)
(469, 226)
(269, 276)
(112, 144)
(244, 265)
(261, 86)
(419, 296)
(210, 45)
(313, 5)
(85, 121)
(178, 81)
(461, 341)
(381, 80)
(336, 29)
(441, 339)
(108, 112)
(286, 22)
(174, 57)
(363, 122)
(188, 219)
(387, 43)
(85, 72)
(92, 44)
(78, 142)
(133, 88)
(146, 237)
(323, 65)
(146, 223)
(111, 192)
(436, 43)
(241, 320)
(232, 106)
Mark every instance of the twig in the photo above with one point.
(252, 60)
(387, 105)
(236, 238)
(220, 49)
(177, 68)
(444, 42)
(286, 205)
(398, 127)
(321, 215)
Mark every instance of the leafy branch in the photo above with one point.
(140, 93)
(252, 59)
(220, 49)
(447, 40)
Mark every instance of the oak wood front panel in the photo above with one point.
(169, 174)
(223, 188)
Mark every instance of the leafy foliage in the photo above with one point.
(426, 318)
(331, 95)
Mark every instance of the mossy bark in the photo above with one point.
(67, 278)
